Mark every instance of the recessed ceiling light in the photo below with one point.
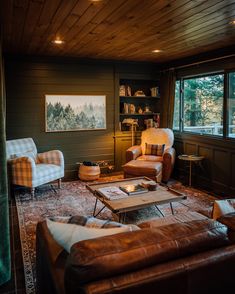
(157, 51)
(232, 22)
(58, 41)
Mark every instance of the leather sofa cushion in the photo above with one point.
(172, 219)
(150, 158)
(142, 167)
(109, 256)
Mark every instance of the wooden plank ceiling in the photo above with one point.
(117, 29)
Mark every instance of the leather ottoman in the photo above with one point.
(137, 168)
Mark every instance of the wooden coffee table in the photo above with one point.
(162, 195)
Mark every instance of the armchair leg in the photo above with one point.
(59, 183)
(33, 192)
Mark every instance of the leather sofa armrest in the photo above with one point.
(133, 152)
(168, 163)
(50, 261)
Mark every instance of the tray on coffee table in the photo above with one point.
(162, 195)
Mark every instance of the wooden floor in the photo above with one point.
(17, 282)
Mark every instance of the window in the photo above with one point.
(231, 105)
(202, 105)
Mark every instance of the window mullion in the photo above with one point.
(225, 107)
(181, 105)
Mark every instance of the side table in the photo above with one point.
(190, 159)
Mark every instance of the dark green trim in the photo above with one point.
(5, 259)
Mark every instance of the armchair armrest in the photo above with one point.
(24, 159)
(133, 152)
(23, 170)
(52, 157)
(168, 163)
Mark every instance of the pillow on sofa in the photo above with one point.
(68, 234)
(154, 149)
(228, 220)
(93, 222)
(89, 221)
(222, 207)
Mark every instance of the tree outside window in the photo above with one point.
(202, 105)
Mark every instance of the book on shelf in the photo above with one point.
(133, 189)
(112, 192)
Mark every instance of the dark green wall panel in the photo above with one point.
(29, 79)
(27, 83)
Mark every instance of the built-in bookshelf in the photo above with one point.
(139, 104)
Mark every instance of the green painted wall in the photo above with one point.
(29, 79)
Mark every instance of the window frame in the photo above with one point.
(225, 110)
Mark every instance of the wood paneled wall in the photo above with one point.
(29, 79)
(218, 172)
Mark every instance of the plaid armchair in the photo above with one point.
(31, 169)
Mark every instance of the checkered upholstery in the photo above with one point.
(25, 171)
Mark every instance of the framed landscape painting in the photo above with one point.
(75, 112)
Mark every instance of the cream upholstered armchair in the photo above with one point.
(31, 169)
(154, 158)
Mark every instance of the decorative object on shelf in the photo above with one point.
(128, 90)
(126, 108)
(147, 110)
(154, 91)
(139, 93)
(132, 108)
(140, 110)
(148, 123)
(122, 90)
(156, 119)
(129, 108)
(133, 123)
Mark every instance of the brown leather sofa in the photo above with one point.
(193, 256)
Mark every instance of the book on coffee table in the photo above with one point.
(112, 192)
(133, 189)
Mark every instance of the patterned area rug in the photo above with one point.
(75, 199)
